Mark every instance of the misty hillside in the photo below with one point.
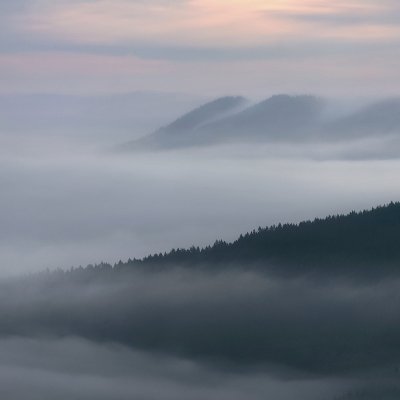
(278, 118)
(368, 241)
(375, 119)
(204, 114)
(178, 132)
(225, 120)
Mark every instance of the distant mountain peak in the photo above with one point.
(205, 113)
(279, 117)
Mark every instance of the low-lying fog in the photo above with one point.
(76, 369)
(179, 334)
(70, 198)
(73, 205)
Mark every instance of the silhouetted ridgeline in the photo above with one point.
(344, 241)
(367, 241)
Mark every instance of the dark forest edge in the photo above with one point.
(366, 242)
(221, 306)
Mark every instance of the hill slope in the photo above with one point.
(278, 118)
(368, 241)
(375, 119)
(178, 132)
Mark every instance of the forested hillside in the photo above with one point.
(367, 241)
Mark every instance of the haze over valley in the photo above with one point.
(199, 200)
(73, 200)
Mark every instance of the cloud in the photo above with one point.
(74, 368)
(193, 24)
(8, 7)
(340, 14)
(234, 320)
(188, 37)
(189, 334)
(65, 202)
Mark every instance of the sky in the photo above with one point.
(207, 47)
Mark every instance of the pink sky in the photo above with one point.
(246, 46)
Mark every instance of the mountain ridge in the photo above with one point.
(175, 134)
(354, 240)
(278, 118)
(364, 244)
